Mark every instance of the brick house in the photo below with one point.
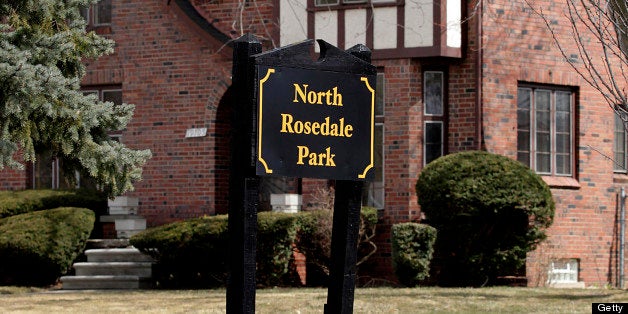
(453, 76)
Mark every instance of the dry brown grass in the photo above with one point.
(367, 300)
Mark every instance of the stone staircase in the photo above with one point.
(112, 264)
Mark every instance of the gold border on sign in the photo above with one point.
(260, 119)
(370, 165)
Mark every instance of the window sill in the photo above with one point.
(561, 182)
(620, 178)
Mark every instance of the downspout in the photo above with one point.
(478, 78)
(622, 233)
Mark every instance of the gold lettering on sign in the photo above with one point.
(325, 159)
(324, 128)
(330, 97)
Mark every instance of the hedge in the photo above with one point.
(412, 249)
(189, 253)
(36, 248)
(194, 252)
(26, 201)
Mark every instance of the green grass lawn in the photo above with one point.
(310, 300)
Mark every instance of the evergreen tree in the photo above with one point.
(42, 44)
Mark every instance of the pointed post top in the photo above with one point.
(247, 38)
(361, 51)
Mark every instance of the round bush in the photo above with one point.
(489, 211)
(36, 248)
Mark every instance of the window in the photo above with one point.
(98, 14)
(545, 129)
(47, 172)
(619, 145)
(112, 94)
(319, 3)
(563, 271)
(434, 93)
(373, 194)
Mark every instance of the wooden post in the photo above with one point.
(345, 233)
(344, 250)
(243, 183)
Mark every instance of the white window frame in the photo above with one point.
(533, 140)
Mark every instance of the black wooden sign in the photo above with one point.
(313, 123)
(295, 116)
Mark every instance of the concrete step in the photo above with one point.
(117, 255)
(139, 269)
(103, 282)
(107, 243)
(114, 265)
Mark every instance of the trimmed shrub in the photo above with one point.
(489, 211)
(190, 253)
(276, 235)
(194, 252)
(412, 249)
(36, 248)
(26, 201)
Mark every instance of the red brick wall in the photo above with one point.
(12, 179)
(519, 48)
(176, 78)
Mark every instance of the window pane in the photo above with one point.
(102, 12)
(619, 145)
(543, 158)
(523, 98)
(524, 158)
(326, 2)
(433, 141)
(433, 92)
(563, 101)
(542, 121)
(563, 143)
(542, 100)
(379, 95)
(543, 162)
(523, 125)
(543, 142)
(85, 13)
(563, 164)
(373, 194)
(114, 96)
(523, 141)
(563, 121)
(523, 119)
(43, 171)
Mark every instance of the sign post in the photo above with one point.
(243, 183)
(314, 119)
